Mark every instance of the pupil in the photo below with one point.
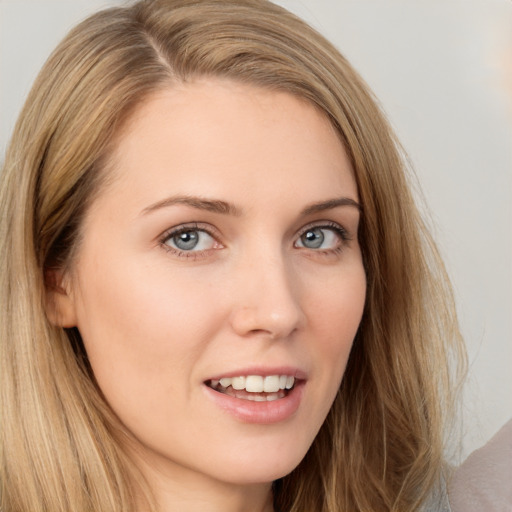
(186, 240)
(313, 239)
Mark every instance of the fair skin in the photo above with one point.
(224, 246)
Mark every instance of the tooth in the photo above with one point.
(259, 398)
(238, 382)
(282, 382)
(272, 397)
(271, 384)
(290, 381)
(254, 383)
(214, 383)
(226, 382)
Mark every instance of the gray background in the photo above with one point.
(442, 70)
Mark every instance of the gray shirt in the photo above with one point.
(483, 483)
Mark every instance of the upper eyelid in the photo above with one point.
(189, 226)
(214, 232)
(326, 224)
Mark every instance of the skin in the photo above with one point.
(157, 323)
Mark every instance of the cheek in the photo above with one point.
(338, 309)
(336, 314)
(334, 311)
(144, 332)
(139, 322)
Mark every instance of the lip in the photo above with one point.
(263, 371)
(263, 413)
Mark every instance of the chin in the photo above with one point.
(261, 466)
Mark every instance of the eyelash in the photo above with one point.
(342, 233)
(176, 231)
(195, 255)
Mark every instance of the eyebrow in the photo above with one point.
(200, 203)
(330, 204)
(225, 208)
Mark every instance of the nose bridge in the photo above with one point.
(267, 298)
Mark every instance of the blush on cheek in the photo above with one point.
(340, 314)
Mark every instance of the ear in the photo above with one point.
(60, 305)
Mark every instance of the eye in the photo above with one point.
(324, 238)
(189, 239)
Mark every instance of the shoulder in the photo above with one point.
(482, 482)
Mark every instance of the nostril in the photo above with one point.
(264, 321)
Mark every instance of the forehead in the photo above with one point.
(212, 135)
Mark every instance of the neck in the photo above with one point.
(180, 489)
(208, 498)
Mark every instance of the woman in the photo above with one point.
(217, 291)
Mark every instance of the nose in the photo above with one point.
(266, 299)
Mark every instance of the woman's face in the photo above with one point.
(221, 260)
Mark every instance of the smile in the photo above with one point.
(256, 388)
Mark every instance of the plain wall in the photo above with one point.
(439, 69)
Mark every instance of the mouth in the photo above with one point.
(256, 388)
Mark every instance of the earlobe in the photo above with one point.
(60, 306)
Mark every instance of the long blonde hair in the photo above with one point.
(381, 447)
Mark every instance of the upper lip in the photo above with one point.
(263, 371)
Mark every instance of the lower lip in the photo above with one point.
(248, 411)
